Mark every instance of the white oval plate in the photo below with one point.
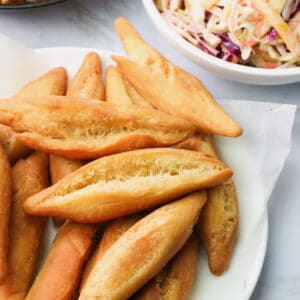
(239, 281)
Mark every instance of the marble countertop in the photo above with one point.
(89, 23)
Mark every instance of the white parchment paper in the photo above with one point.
(267, 136)
(257, 159)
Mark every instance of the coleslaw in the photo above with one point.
(259, 33)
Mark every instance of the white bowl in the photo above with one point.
(226, 69)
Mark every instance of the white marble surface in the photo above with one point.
(89, 23)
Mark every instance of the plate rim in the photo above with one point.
(30, 5)
(264, 218)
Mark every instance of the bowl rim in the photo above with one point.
(195, 52)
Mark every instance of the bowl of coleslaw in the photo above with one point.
(249, 41)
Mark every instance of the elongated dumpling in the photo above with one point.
(29, 176)
(128, 182)
(142, 251)
(5, 202)
(219, 220)
(169, 88)
(176, 279)
(87, 82)
(53, 82)
(77, 128)
(60, 275)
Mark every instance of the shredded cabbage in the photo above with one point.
(260, 33)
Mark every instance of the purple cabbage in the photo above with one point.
(208, 14)
(229, 44)
(230, 57)
(272, 35)
(227, 57)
